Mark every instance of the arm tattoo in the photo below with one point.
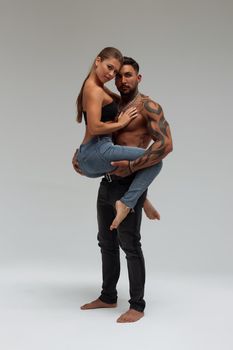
(147, 157)
(151, 109)
(155, 134)
(157, 126)
(159, 113)
(163, 124)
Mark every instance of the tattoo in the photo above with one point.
(145, 159)
(157, 126)
(157, 122)
(163, 124)
(155, 134)
(152, 110)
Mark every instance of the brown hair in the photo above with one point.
(107, 52)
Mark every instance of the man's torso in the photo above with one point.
(136, 133)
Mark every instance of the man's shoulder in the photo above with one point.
(144, 97)
(148, 104)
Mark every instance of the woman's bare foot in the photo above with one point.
(130, 316)
(150, 211)
(122, 211)
(96, 304)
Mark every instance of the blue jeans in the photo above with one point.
(95, 157)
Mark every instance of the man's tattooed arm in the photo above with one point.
(160, 132)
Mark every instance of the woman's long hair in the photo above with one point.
(107, 52)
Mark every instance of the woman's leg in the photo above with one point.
(142, 180)
(110, 153)
(95, 157)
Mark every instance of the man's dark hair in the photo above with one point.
(131, 62)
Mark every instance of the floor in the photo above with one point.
(39, 309)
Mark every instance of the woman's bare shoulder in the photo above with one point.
(114, 96)
(92, 90)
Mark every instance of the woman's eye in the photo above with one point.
(110, 67)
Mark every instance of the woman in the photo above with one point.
(97, 151)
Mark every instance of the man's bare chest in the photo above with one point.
(136, 124)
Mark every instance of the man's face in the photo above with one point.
(127, 80)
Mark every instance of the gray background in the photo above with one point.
(185, 52)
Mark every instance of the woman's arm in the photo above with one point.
(94, 101)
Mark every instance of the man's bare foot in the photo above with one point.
(130, 316)
(122, 211)
(150, 211)
(96, 304)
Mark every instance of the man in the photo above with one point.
(149, 124)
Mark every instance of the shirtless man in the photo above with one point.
(150, 124)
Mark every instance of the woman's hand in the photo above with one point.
(75, 163)
(126, 117)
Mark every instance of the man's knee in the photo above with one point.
(134, 252)
(110, 245)
(130, 245)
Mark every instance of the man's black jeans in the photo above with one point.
(127, 236)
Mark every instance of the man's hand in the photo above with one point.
(122, 168)
(75, 163)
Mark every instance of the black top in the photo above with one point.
(108, 112)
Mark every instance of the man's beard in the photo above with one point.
(127, 92)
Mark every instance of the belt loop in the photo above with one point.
(108, 177)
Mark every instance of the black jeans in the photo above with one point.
(127, 236)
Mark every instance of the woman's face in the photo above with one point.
(107, 69)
